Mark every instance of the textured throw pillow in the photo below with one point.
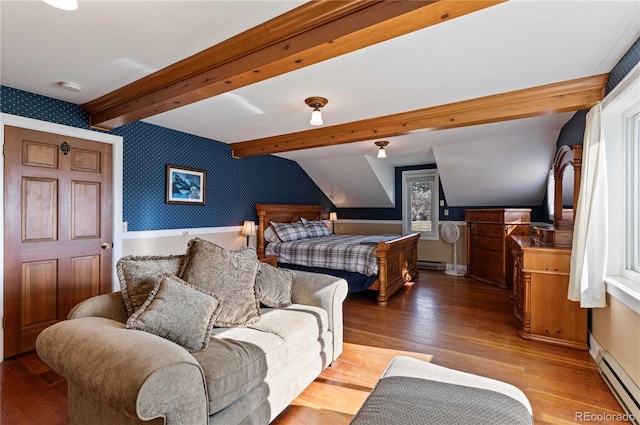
(178, 312)
(273, 286)
(289, 232)
(230, 275)
(138, 275)
(316, 229)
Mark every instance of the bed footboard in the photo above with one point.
(397, 265)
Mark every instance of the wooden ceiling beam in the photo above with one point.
(311, 33)
(566, 96)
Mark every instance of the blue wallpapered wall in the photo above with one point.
(234, 186)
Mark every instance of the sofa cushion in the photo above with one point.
(273, 286)
(228, 274)
(138, 275)
(298, 325)
(178, 312)
(236, 361)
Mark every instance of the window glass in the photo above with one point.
(420, 199)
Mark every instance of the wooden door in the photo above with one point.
(57, 229)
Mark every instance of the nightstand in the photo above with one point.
(269, 259)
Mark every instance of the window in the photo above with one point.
(621, 123)
(420, 200)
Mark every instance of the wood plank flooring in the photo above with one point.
(450, 321)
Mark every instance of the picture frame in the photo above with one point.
(185, 185)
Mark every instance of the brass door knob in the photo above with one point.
(106, 246)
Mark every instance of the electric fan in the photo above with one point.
(451, 233)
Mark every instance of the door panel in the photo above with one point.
(58, 216)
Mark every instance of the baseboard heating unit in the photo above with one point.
(622, 386)
(432, 265)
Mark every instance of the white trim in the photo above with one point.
(594, 346)
(150, 234)
(116, 141)
(625, 291)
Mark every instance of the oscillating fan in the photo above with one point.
(451, 233)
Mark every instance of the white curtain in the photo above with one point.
(589, 252)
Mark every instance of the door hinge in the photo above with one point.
(4, 149)
(2, 322)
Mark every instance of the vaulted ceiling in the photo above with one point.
(497, 80)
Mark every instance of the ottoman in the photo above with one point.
(412, 392)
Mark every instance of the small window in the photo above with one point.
(420, 200)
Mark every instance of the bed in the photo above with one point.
(396, 258)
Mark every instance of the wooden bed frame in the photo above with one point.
(397, 259)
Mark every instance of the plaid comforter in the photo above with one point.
(353, 253)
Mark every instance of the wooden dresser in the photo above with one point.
(488, 232)
(541, 282)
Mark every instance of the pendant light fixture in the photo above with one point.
(316, 103)
(381, 152)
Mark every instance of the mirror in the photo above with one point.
(566, 173)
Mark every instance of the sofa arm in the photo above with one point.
(327, 292)
(136, 373)
(110, 306)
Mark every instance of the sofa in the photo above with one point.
(130, 362)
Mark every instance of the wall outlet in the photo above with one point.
(185, 233)
(442, 202)
(124, 226)
(446, 212)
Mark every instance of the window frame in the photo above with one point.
(428, 175)
(618, 109)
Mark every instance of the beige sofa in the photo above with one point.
(246, 375)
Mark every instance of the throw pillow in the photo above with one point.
(289, 232)
(270, 235)
(316, 229)
(230, 275)
(273, 286)
(178, 312)
(138, 275)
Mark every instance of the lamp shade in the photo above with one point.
(249, 228)
(382, 153)
(333, 216)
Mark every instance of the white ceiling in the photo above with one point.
(104, 45)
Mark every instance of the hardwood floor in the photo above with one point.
(450, 321)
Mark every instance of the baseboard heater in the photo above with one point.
(622, 386)
(432, 265)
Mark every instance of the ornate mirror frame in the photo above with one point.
(567, 155)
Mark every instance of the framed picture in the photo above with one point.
(185, 185)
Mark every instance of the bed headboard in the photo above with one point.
(283, 213)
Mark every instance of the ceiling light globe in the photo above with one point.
(382, 153)
(316, 117)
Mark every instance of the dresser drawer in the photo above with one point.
(482, 256)
(483, 243)
(489, 230)
(487, 272)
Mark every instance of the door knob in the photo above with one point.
(106, 246)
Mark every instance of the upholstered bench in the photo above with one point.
(412, 392)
